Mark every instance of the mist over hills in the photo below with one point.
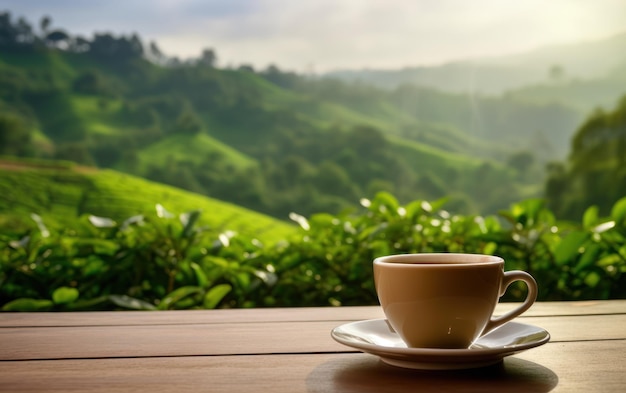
(598, 59)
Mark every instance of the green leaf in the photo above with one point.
(134, 220)
(189, 221)
(178, 294)
(243, 280)
(88, 304)
(490, 248)
(300, 220)
(40, 224)
(323, 220)
(508, 216)
(618, 212)
(64, 295)
(268, 278)
(592, 279)
(590, 217)
(438, 204)
(162, 212)
(569, 247)
(379, 248)
(605, 226)
(215, 295)
(130, 302)
(588, 258)
(101, 222)
(224, 238)
(201, 276)
(22, 243)
(26, 304)
(414, 209)
(528, 211)
(611, 259)
(385, 202)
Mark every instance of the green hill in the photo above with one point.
(269, 140)
(61, 193)
(193, 148)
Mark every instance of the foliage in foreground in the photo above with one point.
(168, 262)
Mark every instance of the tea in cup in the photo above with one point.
(445, 300)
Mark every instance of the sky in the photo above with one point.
(315, 36)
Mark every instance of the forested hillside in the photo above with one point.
(595, 173)
(269, 140)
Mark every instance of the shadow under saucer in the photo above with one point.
(366, 373)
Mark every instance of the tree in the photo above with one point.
(246, 68)
(90, 82)
(331, 179)
(595, 174)
(58, 38)
(25, 33)
(368, 141)
(188, 121)
(76, 152)
(108, 47)
(155, 54)
(15, 138)
(522, 162)
(45, 23)
(135, 46)
(287, 80)
(296, 170)
(79, 44)
(208, 58)
(7, 34)
(15, 35)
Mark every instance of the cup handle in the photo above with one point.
(510, 277)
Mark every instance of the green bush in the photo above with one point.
(168, 262)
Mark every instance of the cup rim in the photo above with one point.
(441, 259)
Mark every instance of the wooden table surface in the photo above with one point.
(289, 350)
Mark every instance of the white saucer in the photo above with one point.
(376, 336)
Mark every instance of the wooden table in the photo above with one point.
(289, 350)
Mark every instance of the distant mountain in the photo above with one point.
(495, 75)
(590, 59)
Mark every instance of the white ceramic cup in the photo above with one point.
(445, 300)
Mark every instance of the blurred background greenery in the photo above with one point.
(97, 131)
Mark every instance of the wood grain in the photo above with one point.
(288, 350)
(237, 338)
(275, 314)
(558, 367)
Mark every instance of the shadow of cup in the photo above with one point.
(366, 373)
